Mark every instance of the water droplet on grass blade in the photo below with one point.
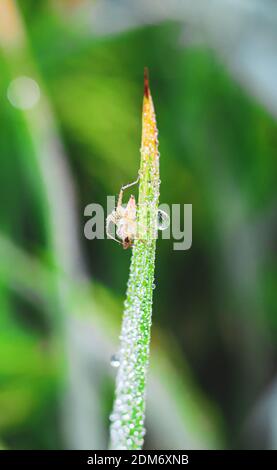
(115, 361)
(163, 220)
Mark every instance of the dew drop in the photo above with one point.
(153, 286)
(115, 361)
(163, 220)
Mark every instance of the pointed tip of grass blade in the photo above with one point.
(149, 143)
(146, 83)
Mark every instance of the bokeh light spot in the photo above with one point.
(23, 93)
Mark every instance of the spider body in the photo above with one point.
(124, 218)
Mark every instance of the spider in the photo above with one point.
(124, 218)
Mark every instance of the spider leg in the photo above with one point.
(130, 184)
(109, 220)
(119, 202)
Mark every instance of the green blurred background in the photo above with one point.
(71, 97)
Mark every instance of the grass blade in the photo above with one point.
(127, 419)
